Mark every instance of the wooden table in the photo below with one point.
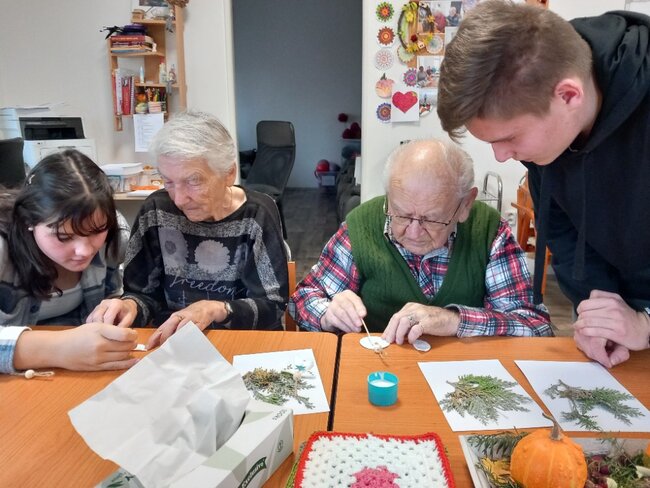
(39, 446)
(417, 410)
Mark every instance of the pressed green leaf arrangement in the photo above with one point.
(583, 401)
(276, 387)
(483, 397)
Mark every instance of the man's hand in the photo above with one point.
(345, 313)
(415, 319)
(607, 353)
(606, 315)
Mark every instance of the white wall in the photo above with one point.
(299, 61)
(54, 52)
(379, 139)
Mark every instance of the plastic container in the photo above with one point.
(382, 388)
(124, 183)
(123, 177)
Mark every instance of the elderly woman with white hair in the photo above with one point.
(203, 249)
(425, 258)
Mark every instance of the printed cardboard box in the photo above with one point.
(249, 458)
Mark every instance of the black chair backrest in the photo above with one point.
(12, 164)
(276, 153)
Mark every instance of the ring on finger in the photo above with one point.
(412, 320)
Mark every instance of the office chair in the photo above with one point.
(12, 165)
(276, 153)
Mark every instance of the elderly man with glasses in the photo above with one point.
(426, 258)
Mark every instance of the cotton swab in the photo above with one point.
(376, 347)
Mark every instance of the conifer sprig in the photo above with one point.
(483, 397)
(582, 401)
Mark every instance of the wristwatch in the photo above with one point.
(228, 308)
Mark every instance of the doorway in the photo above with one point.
(299, 61)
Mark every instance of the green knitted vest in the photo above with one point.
(386, 281)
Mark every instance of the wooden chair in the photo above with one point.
(289, 323)
(526, 224)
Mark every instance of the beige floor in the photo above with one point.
(559, 306)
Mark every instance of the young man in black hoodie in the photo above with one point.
(571, 101)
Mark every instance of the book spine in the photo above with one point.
(117, 87)
(132, 95)
(125, 38)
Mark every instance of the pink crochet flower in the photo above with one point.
(378, 477)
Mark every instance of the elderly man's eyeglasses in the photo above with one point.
(429, 225)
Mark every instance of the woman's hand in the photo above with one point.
(115, 311)
(202, 313)
(89, 347)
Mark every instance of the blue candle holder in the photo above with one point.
(382, 388)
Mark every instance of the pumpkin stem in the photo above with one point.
(556, 433)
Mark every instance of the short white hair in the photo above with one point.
(441, 158)
(196, 135)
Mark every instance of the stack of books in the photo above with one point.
(132, 44)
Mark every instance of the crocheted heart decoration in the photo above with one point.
(404, 101)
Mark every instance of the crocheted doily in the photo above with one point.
(334, 459)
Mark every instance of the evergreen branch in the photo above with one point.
(582, 401)
(483, 397)
(496, 446)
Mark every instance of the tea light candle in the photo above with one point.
(382, 388)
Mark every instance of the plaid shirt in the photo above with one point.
(508, 306)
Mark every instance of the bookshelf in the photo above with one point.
(125, 68)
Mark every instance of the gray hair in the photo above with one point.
(442, 159)
(196, 135)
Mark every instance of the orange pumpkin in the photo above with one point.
(543, 460)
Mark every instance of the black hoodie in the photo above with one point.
(593, 205)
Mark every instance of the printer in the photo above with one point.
(44, 133)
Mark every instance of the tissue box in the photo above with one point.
(249, 458)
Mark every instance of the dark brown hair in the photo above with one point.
(505, 61)
(63, 187)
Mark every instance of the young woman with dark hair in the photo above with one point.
(61, 243)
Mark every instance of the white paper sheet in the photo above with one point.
(290, 361)
(543, 374)
(438, 374)
(145, 127)
(168, 413)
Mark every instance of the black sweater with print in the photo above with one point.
(172, 262)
